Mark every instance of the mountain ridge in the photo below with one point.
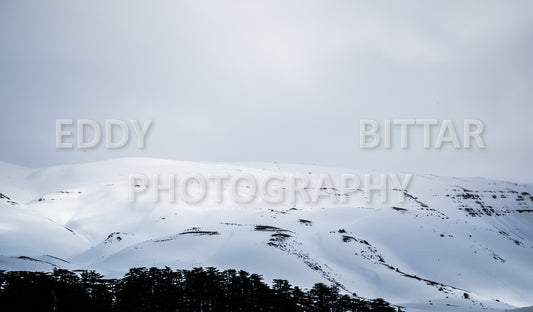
(451, 238)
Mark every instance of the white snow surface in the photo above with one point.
(451, 238)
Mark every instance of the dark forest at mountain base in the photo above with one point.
(162, 290)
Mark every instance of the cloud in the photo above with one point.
(269, 81)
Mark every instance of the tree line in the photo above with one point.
(165, 290)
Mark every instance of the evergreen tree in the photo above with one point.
(142, 290)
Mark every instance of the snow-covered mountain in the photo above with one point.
(454, 244)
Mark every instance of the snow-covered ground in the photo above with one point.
(454, 244)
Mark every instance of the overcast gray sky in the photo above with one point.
(280, 80)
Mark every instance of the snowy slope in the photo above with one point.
(451, 238)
